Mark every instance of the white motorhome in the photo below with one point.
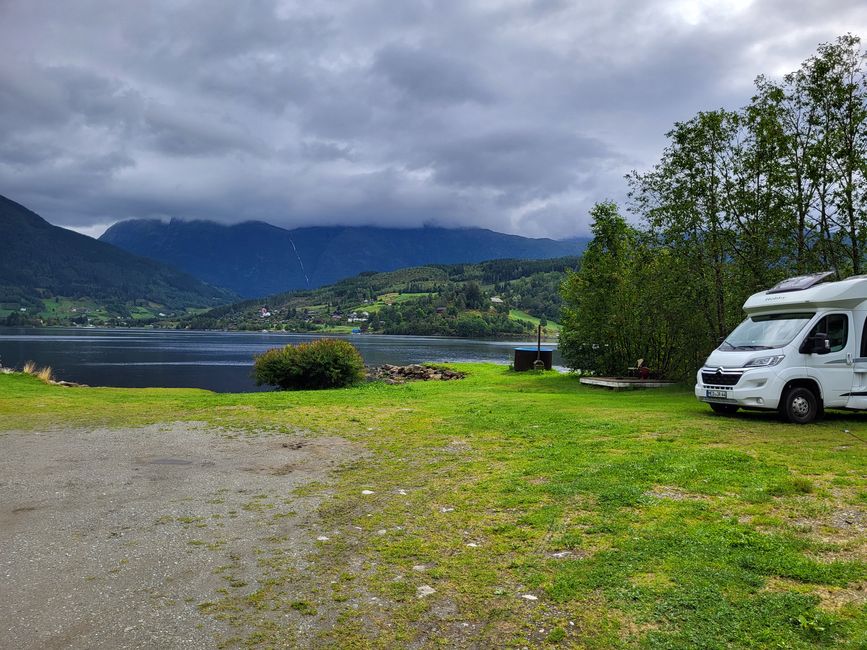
(801, 349)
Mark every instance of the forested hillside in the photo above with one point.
(738, 201)
(497, 298)
(50, 274)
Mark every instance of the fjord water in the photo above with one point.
(218, 361)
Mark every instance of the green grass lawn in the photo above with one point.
(343, 328)
(634, 519)
(551, 328)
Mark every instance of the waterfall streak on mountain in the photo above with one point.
(300, 263)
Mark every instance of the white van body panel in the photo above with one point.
(757, 387)
(845, 294)
(858, 398)
(840, 376)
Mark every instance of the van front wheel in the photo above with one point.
(799, 405)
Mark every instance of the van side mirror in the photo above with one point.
(816, 344)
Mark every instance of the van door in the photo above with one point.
(858, 396)
(834, 370)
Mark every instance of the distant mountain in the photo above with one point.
(258, 259)
(39, 262)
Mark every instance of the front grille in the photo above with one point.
(720, 378)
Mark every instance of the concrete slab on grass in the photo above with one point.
(625, 383)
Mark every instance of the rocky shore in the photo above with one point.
(415, 372)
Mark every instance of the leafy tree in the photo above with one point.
(471, 326)
(737, 201)
(602, 306)
(473, 296)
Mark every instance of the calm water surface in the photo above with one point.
(219, 361)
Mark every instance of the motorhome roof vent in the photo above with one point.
(800, 282)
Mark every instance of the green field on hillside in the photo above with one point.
(541, 512)
(391, 298)
(551, 328)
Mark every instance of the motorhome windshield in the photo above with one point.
(766, 331)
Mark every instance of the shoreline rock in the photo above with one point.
(416, 372)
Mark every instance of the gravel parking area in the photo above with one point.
(113, 538)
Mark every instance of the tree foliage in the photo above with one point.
(600, 321)
(738, 201)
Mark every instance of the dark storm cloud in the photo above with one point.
(515, 115)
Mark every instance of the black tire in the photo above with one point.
(799, 405)
(723, 409)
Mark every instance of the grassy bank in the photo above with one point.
(541, 513)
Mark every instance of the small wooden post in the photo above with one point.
(538, 364)
(539, 342)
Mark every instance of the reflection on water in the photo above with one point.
(220, 361)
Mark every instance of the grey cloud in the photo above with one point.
(267, 87)
(26, 153)
(95, 98)
(512, 116)
(181, 132)
(529, 161)
(429, 76)
(110, 163)
(339, 112)
(320, 150)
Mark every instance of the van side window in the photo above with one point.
(864, 340)
(836, 326)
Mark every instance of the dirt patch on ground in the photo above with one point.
(846, 520)
(834, 598)
(845, 525)
(114, 538)
(839, 529)
(849, 519)
(831, 598)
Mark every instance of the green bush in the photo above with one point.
(325, 363)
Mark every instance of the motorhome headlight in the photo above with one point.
(764, 362)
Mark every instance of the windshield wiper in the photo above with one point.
(751, 347)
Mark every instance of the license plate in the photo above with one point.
(717, 393)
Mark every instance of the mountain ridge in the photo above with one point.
(255, 258)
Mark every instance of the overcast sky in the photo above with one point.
(515, 115)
